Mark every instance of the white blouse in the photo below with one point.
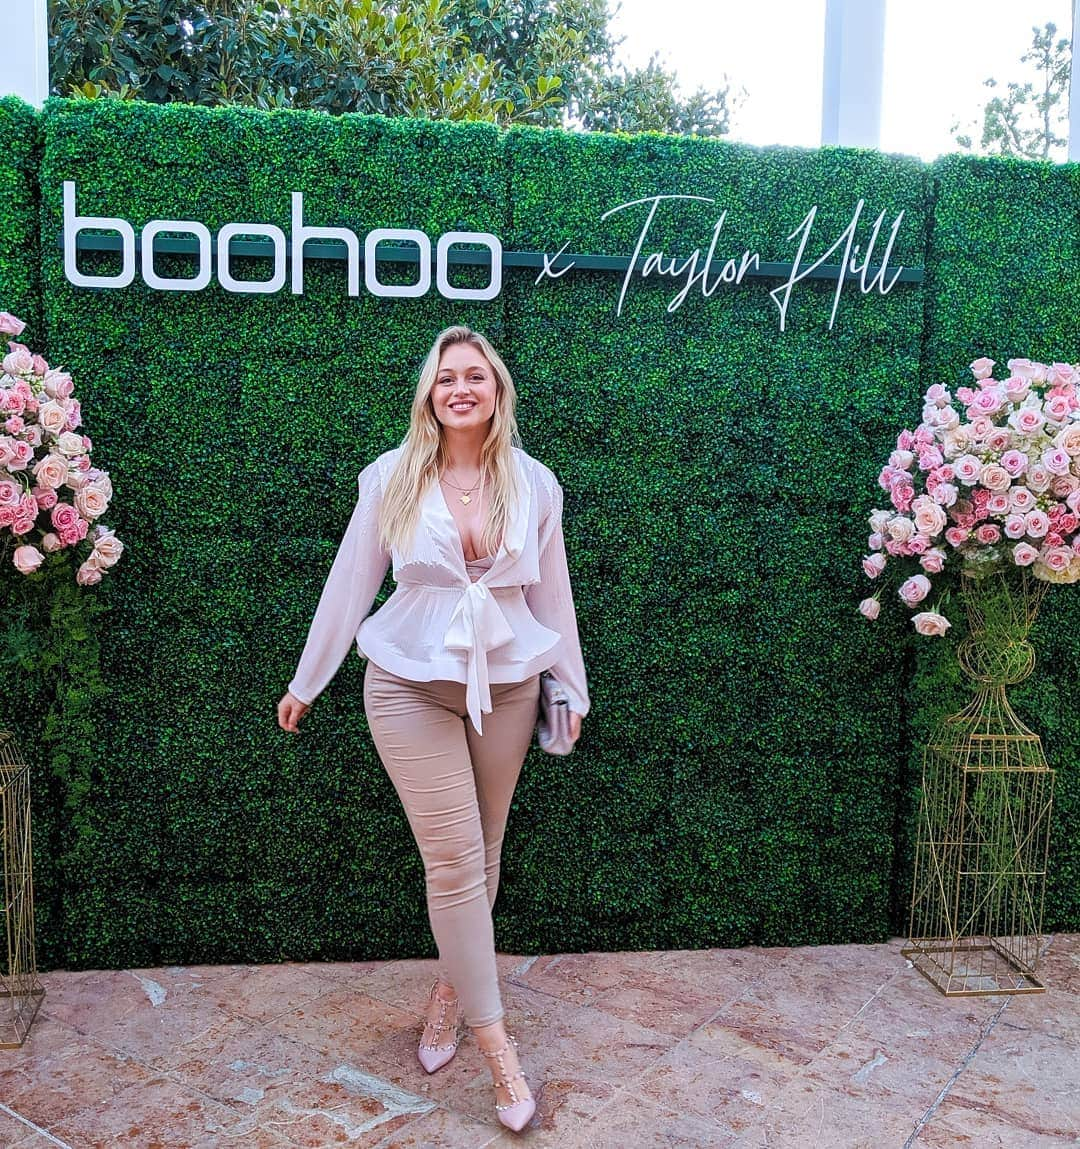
(514, 621)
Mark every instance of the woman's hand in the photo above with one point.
(575, 725)
(289, 712)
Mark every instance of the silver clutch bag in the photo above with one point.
(553, 728)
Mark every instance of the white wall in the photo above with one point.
(24, 50)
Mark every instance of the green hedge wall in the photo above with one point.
(746, 771)
(1004, 280)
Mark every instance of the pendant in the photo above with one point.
(466, 499)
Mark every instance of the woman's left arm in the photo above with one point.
(552, 604)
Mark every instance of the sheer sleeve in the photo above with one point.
(354, 580)
(552, 603)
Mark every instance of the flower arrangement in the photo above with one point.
(43, 458)
(993, 485)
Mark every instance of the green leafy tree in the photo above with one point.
(542, 62)
(1030, 120)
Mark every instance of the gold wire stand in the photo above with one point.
(984, 819)
(20, 991)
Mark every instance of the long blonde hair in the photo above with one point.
(424, 452)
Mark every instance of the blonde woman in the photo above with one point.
(473, 527)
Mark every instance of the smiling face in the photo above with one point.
(463, 397)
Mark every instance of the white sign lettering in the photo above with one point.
(849, 262)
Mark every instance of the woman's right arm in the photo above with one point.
(354, 580)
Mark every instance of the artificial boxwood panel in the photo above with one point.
(20, 259)
(1004, 281)
(748, 768)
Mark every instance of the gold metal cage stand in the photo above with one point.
(20, 991)
(984, 820)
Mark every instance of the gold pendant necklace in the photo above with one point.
(466, 496)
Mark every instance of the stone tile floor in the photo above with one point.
(829, 1046)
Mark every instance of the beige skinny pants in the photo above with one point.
(456, 787)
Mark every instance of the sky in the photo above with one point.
(938, 53)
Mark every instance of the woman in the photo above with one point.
(473, 527)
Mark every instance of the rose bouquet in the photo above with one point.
(51, 495)
(989, 480)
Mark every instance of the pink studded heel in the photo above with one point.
(434, 1056)
(519, 1112)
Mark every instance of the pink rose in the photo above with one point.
(918, 544)
(51, 471)
(1061, 375)
(933, 562)
(998, 504)
(876, 541)
(1068, 522)
(995, 478)
(930, 623)
(52, 416)
(14, 425)
(1027, 420)
(923, 437)
(988, 401)
(914, 589)
(930, 458)
(901, 496)
(988, 534)
(1038, 477)
(50, 543)
(91, 502)
(7, 516)
(9, 325)
(10, 493)
(968, 468)
(27, 559)
(944, 494)
(1056, 461)
(999, 439)
(1021, 499)
(1053, 539)
(966, 395)
(1024, 554)
(956, 536)
(1037, 523)
(64, 516)
(872, 565)
(58, 384)
(1022, 367)
(1015, 527)
(107, 546)
(1056, 558)
(869, 608)
(905, 441)
(982, 367)
(39, 366)
(19, 361)
(23, 524)
(1057, 407)
(45, 496)
(87, 575)
(938, 395)
(901, 460)
(1016, 389)
(930, 518)
(23, 454)
(1014, 462)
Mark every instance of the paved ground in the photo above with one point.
(830, 1047)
